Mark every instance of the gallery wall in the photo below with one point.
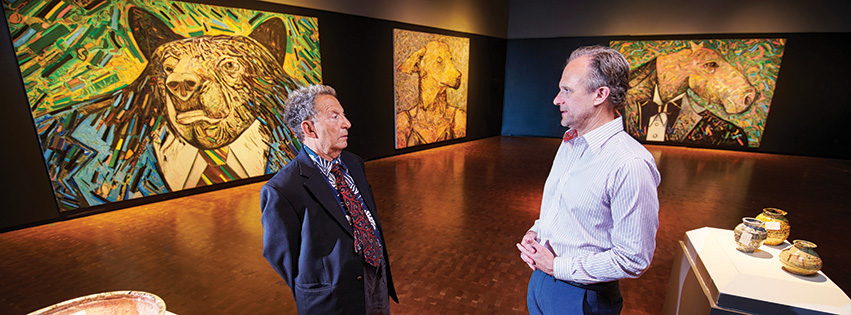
(482, 17)
(25, 192)
(354, 47)
(807, 115)
(555, 18)
(357, 59)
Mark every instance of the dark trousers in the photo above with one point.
(548, 295)
(375, 287)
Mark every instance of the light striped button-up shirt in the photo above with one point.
(600, 209)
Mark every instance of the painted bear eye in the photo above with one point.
(711, 65)
(169, 64)
(230, 65)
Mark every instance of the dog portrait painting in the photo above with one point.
(430, 84)
(139, 98)
(714, 93)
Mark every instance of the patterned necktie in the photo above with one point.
(217, 170)
(364, 235)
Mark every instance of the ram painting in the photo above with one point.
(430, 77)
(139, 98)
(714, 93)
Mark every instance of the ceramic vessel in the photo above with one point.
(749, 234)
(108, 303)
(801, 258)
(776, 225)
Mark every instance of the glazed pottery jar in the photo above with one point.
(749, 234)
(776, 225)
(801, 258)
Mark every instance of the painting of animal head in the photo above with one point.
(704, 92)
(159, 96)
(708, 74)
(433, 64)
(431, 87)
(205, 83)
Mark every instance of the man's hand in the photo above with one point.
(530, 237)
(525, 246)
(536, 255)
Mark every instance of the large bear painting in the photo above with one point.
(714, 93)
(138, 98)
(430, 83)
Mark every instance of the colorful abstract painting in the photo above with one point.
(430, 83)
(702, 92)
(139, 98)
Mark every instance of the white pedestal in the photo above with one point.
(712, 277)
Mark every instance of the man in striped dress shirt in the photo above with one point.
(600, 209)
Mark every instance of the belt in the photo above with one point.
(598, 287)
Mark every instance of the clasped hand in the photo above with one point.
(534, 254)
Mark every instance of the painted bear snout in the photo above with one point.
(183, 85)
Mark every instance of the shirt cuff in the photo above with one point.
(562, 267)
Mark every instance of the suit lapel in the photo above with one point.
(316, 184)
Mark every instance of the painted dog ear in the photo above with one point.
(694, 46)
(149, 31)
(273, 34)
(412, 64)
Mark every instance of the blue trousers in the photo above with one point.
(548, 295)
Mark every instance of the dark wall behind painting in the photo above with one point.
(811, 108)
(808, 116)
(559, 18)
(25, 192)
(532, 71)
(357, 60)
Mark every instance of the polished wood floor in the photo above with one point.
(451, 217)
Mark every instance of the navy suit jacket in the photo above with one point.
(309, 242)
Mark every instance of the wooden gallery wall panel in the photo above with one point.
(714, 93)
(430, 84)
(139, 98)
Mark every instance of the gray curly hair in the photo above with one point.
(608, 68)
(301, 106)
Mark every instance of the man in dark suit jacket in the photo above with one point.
(320, 229)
